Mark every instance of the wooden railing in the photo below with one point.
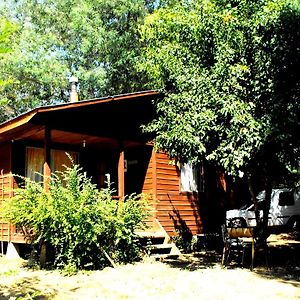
(8, 232)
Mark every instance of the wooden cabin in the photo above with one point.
(104, 136)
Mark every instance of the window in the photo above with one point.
(188, 178)
(59, 159)
(260, 206)
(286, 198)
(35, 161)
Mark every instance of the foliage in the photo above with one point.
(95, 40)
(80, 222)
(184, 240)
(230, 73)
(7, 33)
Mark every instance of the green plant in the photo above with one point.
(184, 240)
(85, 227)
(229, 70)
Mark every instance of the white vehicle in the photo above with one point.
(284, 211)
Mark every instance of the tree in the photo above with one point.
(96, 41)
(7, 32)
(230, 73)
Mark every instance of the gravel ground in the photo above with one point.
(197, 276)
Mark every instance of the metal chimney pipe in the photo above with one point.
(73, 89)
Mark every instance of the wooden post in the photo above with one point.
(121, 177)
(154, 189)
(154, 173)
(11, 194)
(47, 158)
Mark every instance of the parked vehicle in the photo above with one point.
(284, 211)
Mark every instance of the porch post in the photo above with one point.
(47, 158)
(154, 173)
(121, 188)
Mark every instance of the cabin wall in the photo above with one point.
(148, 185)
(5, 158)
(176, 210)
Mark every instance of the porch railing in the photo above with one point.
(8, 232)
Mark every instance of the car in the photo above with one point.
(284, 213)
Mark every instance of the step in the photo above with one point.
(150, 234)
(152, 241)
(151, 237)
(161, 249)
(162, 257)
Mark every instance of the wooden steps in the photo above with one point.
(158, 242)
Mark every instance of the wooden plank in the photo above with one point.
(179, 208)
(148, 186)
(19, 238)
(161, 166)
(8, 231)
(167, 187)
(165, 175)
(177, 200)
(169, 216)
(166, 182)
(148, 180)
(164, 156)
(181, 211)
(4, 225)
(176, 196)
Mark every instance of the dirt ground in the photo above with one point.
(194, 276)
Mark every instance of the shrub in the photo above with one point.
(85, 226)
(184, 240)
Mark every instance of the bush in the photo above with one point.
(85, 226)
(184, 240)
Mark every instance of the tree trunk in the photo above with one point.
(254, 200)
(267, 200)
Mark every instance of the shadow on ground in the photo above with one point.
(281, 263)
(26, 289)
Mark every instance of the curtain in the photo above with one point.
(60, 159)
(188, 178)
(35, 161)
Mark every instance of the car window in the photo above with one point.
(260, 206)
(286, 198)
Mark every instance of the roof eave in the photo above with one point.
(26, 117)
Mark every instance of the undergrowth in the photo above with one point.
(84, 227)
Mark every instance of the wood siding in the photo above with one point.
(176, 211)
(149, 189)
